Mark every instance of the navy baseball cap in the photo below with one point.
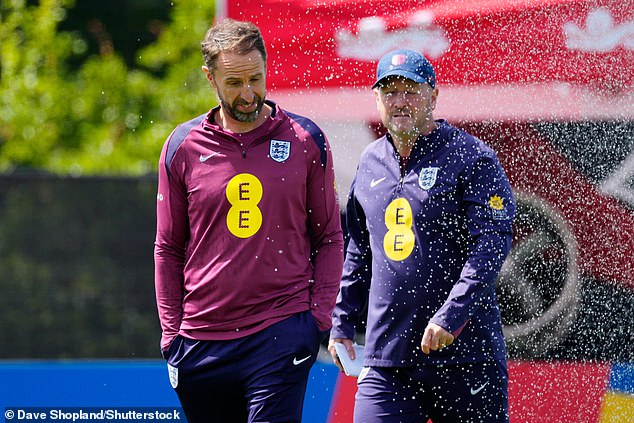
(408, 64)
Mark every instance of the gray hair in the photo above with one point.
(233, 36)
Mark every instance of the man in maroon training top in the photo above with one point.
(249, 247)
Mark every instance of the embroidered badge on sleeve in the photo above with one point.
(497, 208)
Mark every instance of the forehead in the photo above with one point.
(399, 82)
(235, 65)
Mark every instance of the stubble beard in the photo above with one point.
(403, 131)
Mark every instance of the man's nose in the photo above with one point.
(247, 93)
(399, 99)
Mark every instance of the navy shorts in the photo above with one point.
(258, 378)
(466, 393)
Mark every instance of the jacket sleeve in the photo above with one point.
(355, 282)
(172, 234)
(489, 209)
(324, 221)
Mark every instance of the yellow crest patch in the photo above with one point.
(496, 203)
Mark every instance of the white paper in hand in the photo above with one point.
(350, 367)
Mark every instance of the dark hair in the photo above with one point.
(231, 35)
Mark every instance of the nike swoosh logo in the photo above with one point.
(475, 391)
(374, 183)
(205, 158)
(297, 362)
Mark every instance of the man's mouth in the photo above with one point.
(401, 113)
(247, 107)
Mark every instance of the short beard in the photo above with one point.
(230, 109)
(413, 132)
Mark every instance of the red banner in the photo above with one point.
(336, 43)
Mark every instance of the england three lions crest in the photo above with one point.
(280, 150)
(427, 177)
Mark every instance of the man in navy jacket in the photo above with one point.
(429, 216)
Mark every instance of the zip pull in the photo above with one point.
(402, 165)
(244, 154)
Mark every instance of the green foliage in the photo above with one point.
(101, 117)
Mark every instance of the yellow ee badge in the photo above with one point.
(399, 241)
(244, 192)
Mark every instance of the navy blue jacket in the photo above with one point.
(424, 247)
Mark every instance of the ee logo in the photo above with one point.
(244, 192)
(398, 242)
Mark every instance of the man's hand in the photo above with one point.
(331, 349)
(435, 338)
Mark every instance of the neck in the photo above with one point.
(404, 145)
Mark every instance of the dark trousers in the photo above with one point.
(457, 393)
(258, 378)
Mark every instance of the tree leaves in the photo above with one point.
(102, 116)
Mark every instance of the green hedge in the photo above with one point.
(76, 267)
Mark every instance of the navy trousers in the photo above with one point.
(259, 378)
(458, 393)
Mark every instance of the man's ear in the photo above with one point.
(434, 97)
(209, 76)
(376, 95)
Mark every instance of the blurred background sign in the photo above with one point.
(518, 56)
